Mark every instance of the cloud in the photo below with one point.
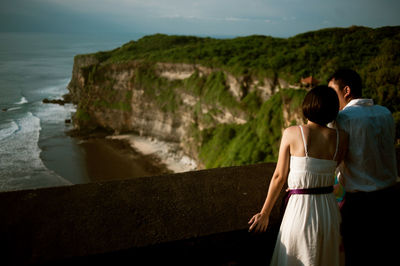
(237, 19)
(206, 9)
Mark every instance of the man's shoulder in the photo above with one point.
(357, 111)
(344, 114)
(382, 109)
(355, 116)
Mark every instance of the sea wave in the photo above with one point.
(21, 165)
(23, 100)
(55, 90)
(21, 144)
(13, 109)
(8, 129)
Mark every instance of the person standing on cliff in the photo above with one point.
(368, 174)
(308, 157)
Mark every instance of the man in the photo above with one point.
(369, 172)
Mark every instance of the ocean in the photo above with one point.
(35, 152)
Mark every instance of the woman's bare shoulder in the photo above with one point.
(291, 130)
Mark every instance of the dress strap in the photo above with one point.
(337, 144)
(304, 140)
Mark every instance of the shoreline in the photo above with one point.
(97, 155)
(169, 154)
(111, 157)
(108, 159)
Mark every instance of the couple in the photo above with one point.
(361, 148)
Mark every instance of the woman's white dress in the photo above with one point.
(309, 233)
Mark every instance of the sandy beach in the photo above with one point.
(129, 156)
(168, 154)
(110, 159)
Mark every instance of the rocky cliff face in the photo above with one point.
(163, 100)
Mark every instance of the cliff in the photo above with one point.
(225, 101)
(174, 102)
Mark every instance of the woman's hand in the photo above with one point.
(259, 223)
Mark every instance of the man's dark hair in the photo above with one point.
(321, 105)
(348, 77)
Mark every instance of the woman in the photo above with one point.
(308, 156)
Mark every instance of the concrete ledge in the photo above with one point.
(61, 223)
(229, 248)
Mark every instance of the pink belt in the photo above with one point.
(316, 190)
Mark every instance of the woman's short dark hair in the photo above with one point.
(321, 105)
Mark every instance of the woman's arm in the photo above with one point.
(259, 222)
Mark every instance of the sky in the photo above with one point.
(277, 18)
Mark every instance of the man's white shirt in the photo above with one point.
(370, 163)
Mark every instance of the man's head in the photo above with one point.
(347, 84)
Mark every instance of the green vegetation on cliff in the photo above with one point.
(253, 142)
(374, 53)
(318, 53)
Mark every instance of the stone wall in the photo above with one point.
(80, 221)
